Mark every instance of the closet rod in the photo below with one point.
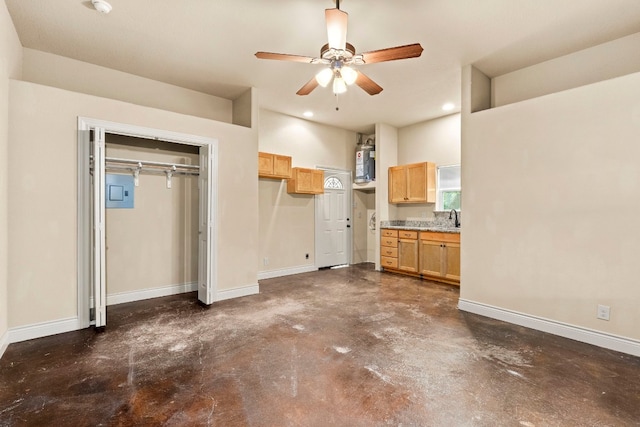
(143, 163)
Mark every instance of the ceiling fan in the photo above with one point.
(340, 57)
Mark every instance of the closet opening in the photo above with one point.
(151, 218)
(147, 216)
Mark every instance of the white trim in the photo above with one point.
(85, 124)
(286, 271)
(142, 294)
(589, 336)
(39, 330)
(4, 343)
(237, 292)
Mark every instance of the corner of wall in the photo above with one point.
(10, 68)
(245, 109)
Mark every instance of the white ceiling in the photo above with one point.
(209, 45)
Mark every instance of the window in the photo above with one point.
(449, 188)
(333, 183)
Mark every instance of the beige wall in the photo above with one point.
(155, 244)
(10, 67)
(287, 222)
(436, 141)
(77, 76)
(42, 212)
(551, 194)
(606, 61)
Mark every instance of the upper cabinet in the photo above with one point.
(414, 183)
(306, 181)
(274, 166)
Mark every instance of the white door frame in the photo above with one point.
(85, 200)
(349, 194)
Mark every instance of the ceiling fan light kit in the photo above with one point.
(340, 57)
(324, 76)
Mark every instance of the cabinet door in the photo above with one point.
(408, 255)
(417, 183)
(452, 261)
(282, 166)
(397, 184)
(306, 181)
(317, 181)
(430, 258)
(265, 164)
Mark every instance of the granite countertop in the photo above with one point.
(420, 226)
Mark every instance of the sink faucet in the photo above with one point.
(453, 211)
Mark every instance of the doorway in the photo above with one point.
(333, 220)
(92, 219)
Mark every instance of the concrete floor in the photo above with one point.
(345, 347)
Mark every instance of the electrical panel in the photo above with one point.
(119, 191)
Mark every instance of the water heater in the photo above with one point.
(365, 160)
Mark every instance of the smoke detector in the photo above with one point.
(101, 6)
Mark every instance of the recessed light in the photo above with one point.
(308, 114)
(448, 106)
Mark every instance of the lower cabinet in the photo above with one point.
(408, 251)
(430, 255)
(440, 256)
(389, 248)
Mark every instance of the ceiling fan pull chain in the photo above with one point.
(337, 106)
(337, 4)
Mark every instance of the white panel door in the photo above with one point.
(206, 292)
(333, 220)
(98, 262)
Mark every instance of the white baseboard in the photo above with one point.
(286, 272)
(4, 343)
(38, 330)
(164, 291)
(589, 336)
(237, 292)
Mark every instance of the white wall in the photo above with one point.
(386, 156)
(436, 141)
(287, 221)
(42, 209)
(10, 67)
(77, 76)
(551, 190)
(363, 238)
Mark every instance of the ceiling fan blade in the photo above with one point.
(393, 53)
(284, 57)
(308, 87)
(368, 85)
(336, 28)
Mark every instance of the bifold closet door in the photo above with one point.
(99, 245)
(205, 227)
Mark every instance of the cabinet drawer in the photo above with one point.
(440, 237)
(389, 262)
(389, 252)
(389, 233)
(406, 234)
(391, 242)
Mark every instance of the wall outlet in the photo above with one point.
(265, 261)
(603, 312)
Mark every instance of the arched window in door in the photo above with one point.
(333, 183)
